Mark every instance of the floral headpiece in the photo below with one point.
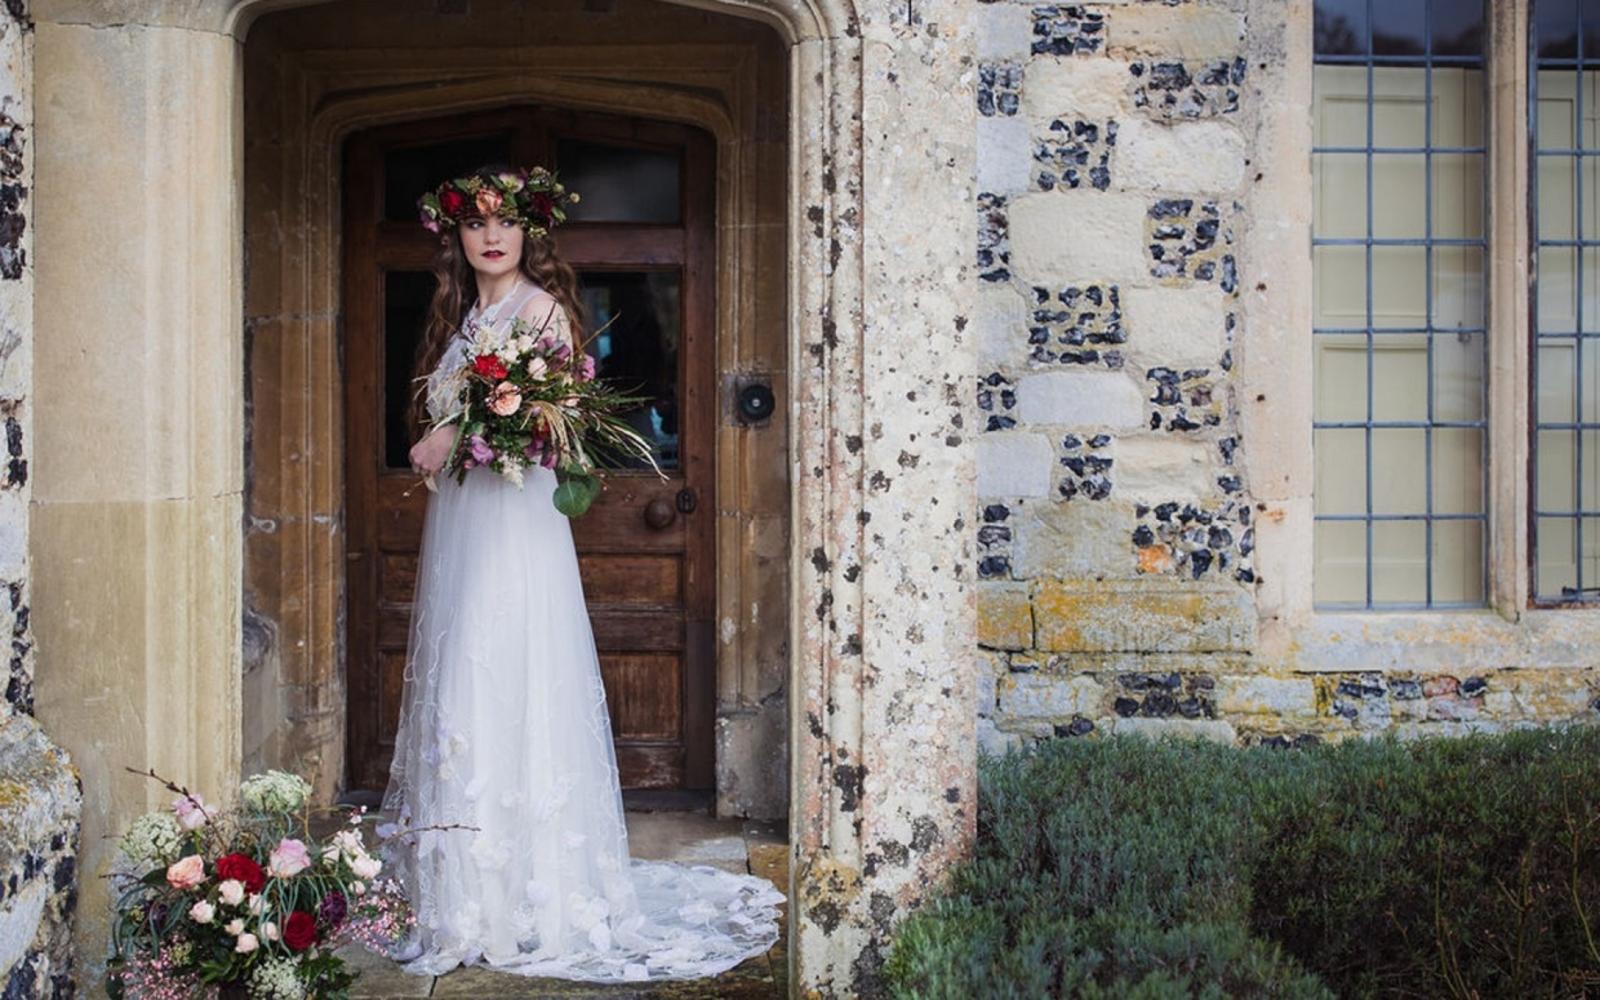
(532, 196)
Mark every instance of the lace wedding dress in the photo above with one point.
(503, 727)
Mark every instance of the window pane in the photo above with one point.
(1457, 27)
(408, 173)
(635, 317)
(619, 184)
(1340, 28)
(406, 295)
(1566, 220)
(1398, 264)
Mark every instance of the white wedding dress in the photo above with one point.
(503, 727)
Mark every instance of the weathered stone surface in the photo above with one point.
(1076, 88)
(1014, 464)
(1107, 617)
(1154, 470)
(1183, 31)
(1049, 696)
(1005, 618)
(1004, 167)
(1080, 399)
(1202, 157)
(1282, 697)
(1177, 327)
(1072, 540)
(1000, 321)
(1084, 235)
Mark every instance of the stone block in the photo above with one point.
(1083, 235)
(1154, 470)
(1187, 31)
(1283, 697)
(1142, 617)
(1216, 730)
(1014, 465)
(1004, 155)
(1181, 328)
(1077, 88)
(993, 740)
(1005, 31)
(1000, 321)
(1073, 540)
(1188, 156)
(1080, 399)
(1005, 617)
(1049, 696)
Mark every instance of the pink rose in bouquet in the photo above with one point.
(187, 872)
(290, 857)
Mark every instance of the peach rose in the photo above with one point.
(186, 873)
(488, 200)
(505, 400)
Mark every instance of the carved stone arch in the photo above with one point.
(882, 205)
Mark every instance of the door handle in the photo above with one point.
(687, 500)
(659, 513)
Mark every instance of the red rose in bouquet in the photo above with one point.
(452, 201)
(300, 930)
(244, 868)
(489, 366)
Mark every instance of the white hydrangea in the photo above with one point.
(275, 792)
(277, 978)
(153, 837)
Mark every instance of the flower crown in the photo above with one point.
(532, 196)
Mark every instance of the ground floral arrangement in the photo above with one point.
(529, 399)
(219, 903)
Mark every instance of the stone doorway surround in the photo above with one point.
(137, 521)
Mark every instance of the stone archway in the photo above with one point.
(136, 526)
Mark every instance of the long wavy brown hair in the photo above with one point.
(455, 291)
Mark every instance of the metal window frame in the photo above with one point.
(1581, 593)
(1428, 61)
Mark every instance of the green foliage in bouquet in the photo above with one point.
(528, 399)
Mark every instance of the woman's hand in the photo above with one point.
(428, 455)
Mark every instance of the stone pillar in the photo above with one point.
(883, 733)
(136, 495)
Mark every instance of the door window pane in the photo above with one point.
(409, 173)
(1566, 221)
(635, 319)
(406, 295)
(619, 183)
(1398, 284)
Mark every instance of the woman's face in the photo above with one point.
(494, 245)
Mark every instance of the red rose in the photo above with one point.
(452, 201)
(489, 366)
(300, 930)
(544, 205)
(244, 868)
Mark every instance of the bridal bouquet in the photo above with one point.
(529, 399)
(214, 902)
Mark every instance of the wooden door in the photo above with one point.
(642, 240)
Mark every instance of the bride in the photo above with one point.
(503, 726)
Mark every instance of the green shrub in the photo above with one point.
(1125, 868)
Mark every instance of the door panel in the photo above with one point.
(643, 255)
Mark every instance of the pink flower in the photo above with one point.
(190, 810)
(537, 366)
(488, 200)
(246, 943)
(505, 400)
(290, 857)
(187, 872)
(586, 368)
(232, 891)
